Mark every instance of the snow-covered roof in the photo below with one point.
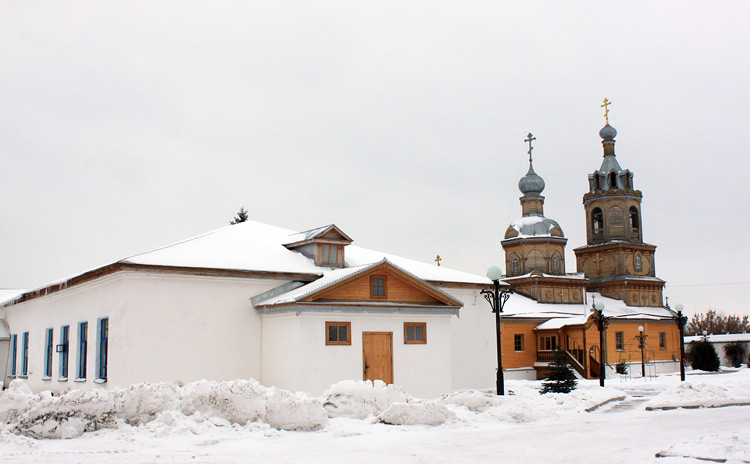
(520, 306)
(330, 278)
(577, 276)
(720, 338)
(257, 247)
(535, 226)
(7, 294)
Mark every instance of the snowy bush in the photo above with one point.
(361, 398)
(474, 401)
(416, 413)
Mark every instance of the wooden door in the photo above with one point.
(377, 356)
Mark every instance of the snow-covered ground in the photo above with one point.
(630, 421)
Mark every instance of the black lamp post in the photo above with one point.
(497, 298)
(681, 320)
(641, 344)
(601, 323)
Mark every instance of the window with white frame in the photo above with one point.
(25, 355)
(14, 355)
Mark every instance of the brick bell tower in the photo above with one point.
(615, 259)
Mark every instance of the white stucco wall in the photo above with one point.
(474, 349)
(163, 327)
(297, 358)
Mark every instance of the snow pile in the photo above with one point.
(298, 411)
(69, 415)
(361, 399)
(695, 395)
(164, 405)
(141, 403)
(16, 400)
(716, 447)
(416, 413)
(238, 401)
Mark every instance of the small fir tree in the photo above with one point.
(561, 377)
(621, 368)
(735, 353)
(703, 356)
(242, 216)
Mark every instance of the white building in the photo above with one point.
(299, 311)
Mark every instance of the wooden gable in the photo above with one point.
(400, 287)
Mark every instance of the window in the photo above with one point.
(662, 340)
(48, 347)
(338, 333)
(634, 222)
(62, 348)
(377, 287)
(83, 329)
(330, 254)
(14, 354)
(597, 221)
(101, 349)
(415, 333)
(25, 355)
(637, 262)
(555, 264)
(514, 265)
(612, 180)
(548, 343)
(619, 341)
(518, 342)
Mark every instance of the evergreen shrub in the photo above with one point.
(703, 356)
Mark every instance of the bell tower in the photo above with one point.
(615, 259)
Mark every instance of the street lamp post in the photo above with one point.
(641, 344)
(601, 323)
(497, 298)
(681, 320)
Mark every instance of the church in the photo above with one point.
(302, 310)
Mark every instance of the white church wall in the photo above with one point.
(474, 349)
(162, 327)
(422, 370)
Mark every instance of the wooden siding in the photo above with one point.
(358, 289)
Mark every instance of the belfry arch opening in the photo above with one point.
(597, 222)
(612, 180)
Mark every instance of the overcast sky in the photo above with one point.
(129, 125)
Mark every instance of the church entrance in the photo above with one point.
(377, 356)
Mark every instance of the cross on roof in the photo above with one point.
(606, 109)
(438, 259)
(530, 138)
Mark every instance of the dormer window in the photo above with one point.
(325, 245)
(377, 286)
(329, 255)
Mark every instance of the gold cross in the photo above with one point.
(438, 259)
(606, 109)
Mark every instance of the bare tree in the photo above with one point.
(714, 322)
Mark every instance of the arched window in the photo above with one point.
(629, 180)
(555, 264)
(634, 221)
(514, 265)
(637, 262)
(612, 180)
(597, 222)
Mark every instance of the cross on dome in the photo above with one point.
(530, 138)
(606, 110)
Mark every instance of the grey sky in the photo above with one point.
(130, 125)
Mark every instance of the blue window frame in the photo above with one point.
(48, 354)
(101, 351)
(63, 349)
(25, 355)
(83, 331)
(14, 354)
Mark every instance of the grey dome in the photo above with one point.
(531, 183)
(608, 132)
(536, 226)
